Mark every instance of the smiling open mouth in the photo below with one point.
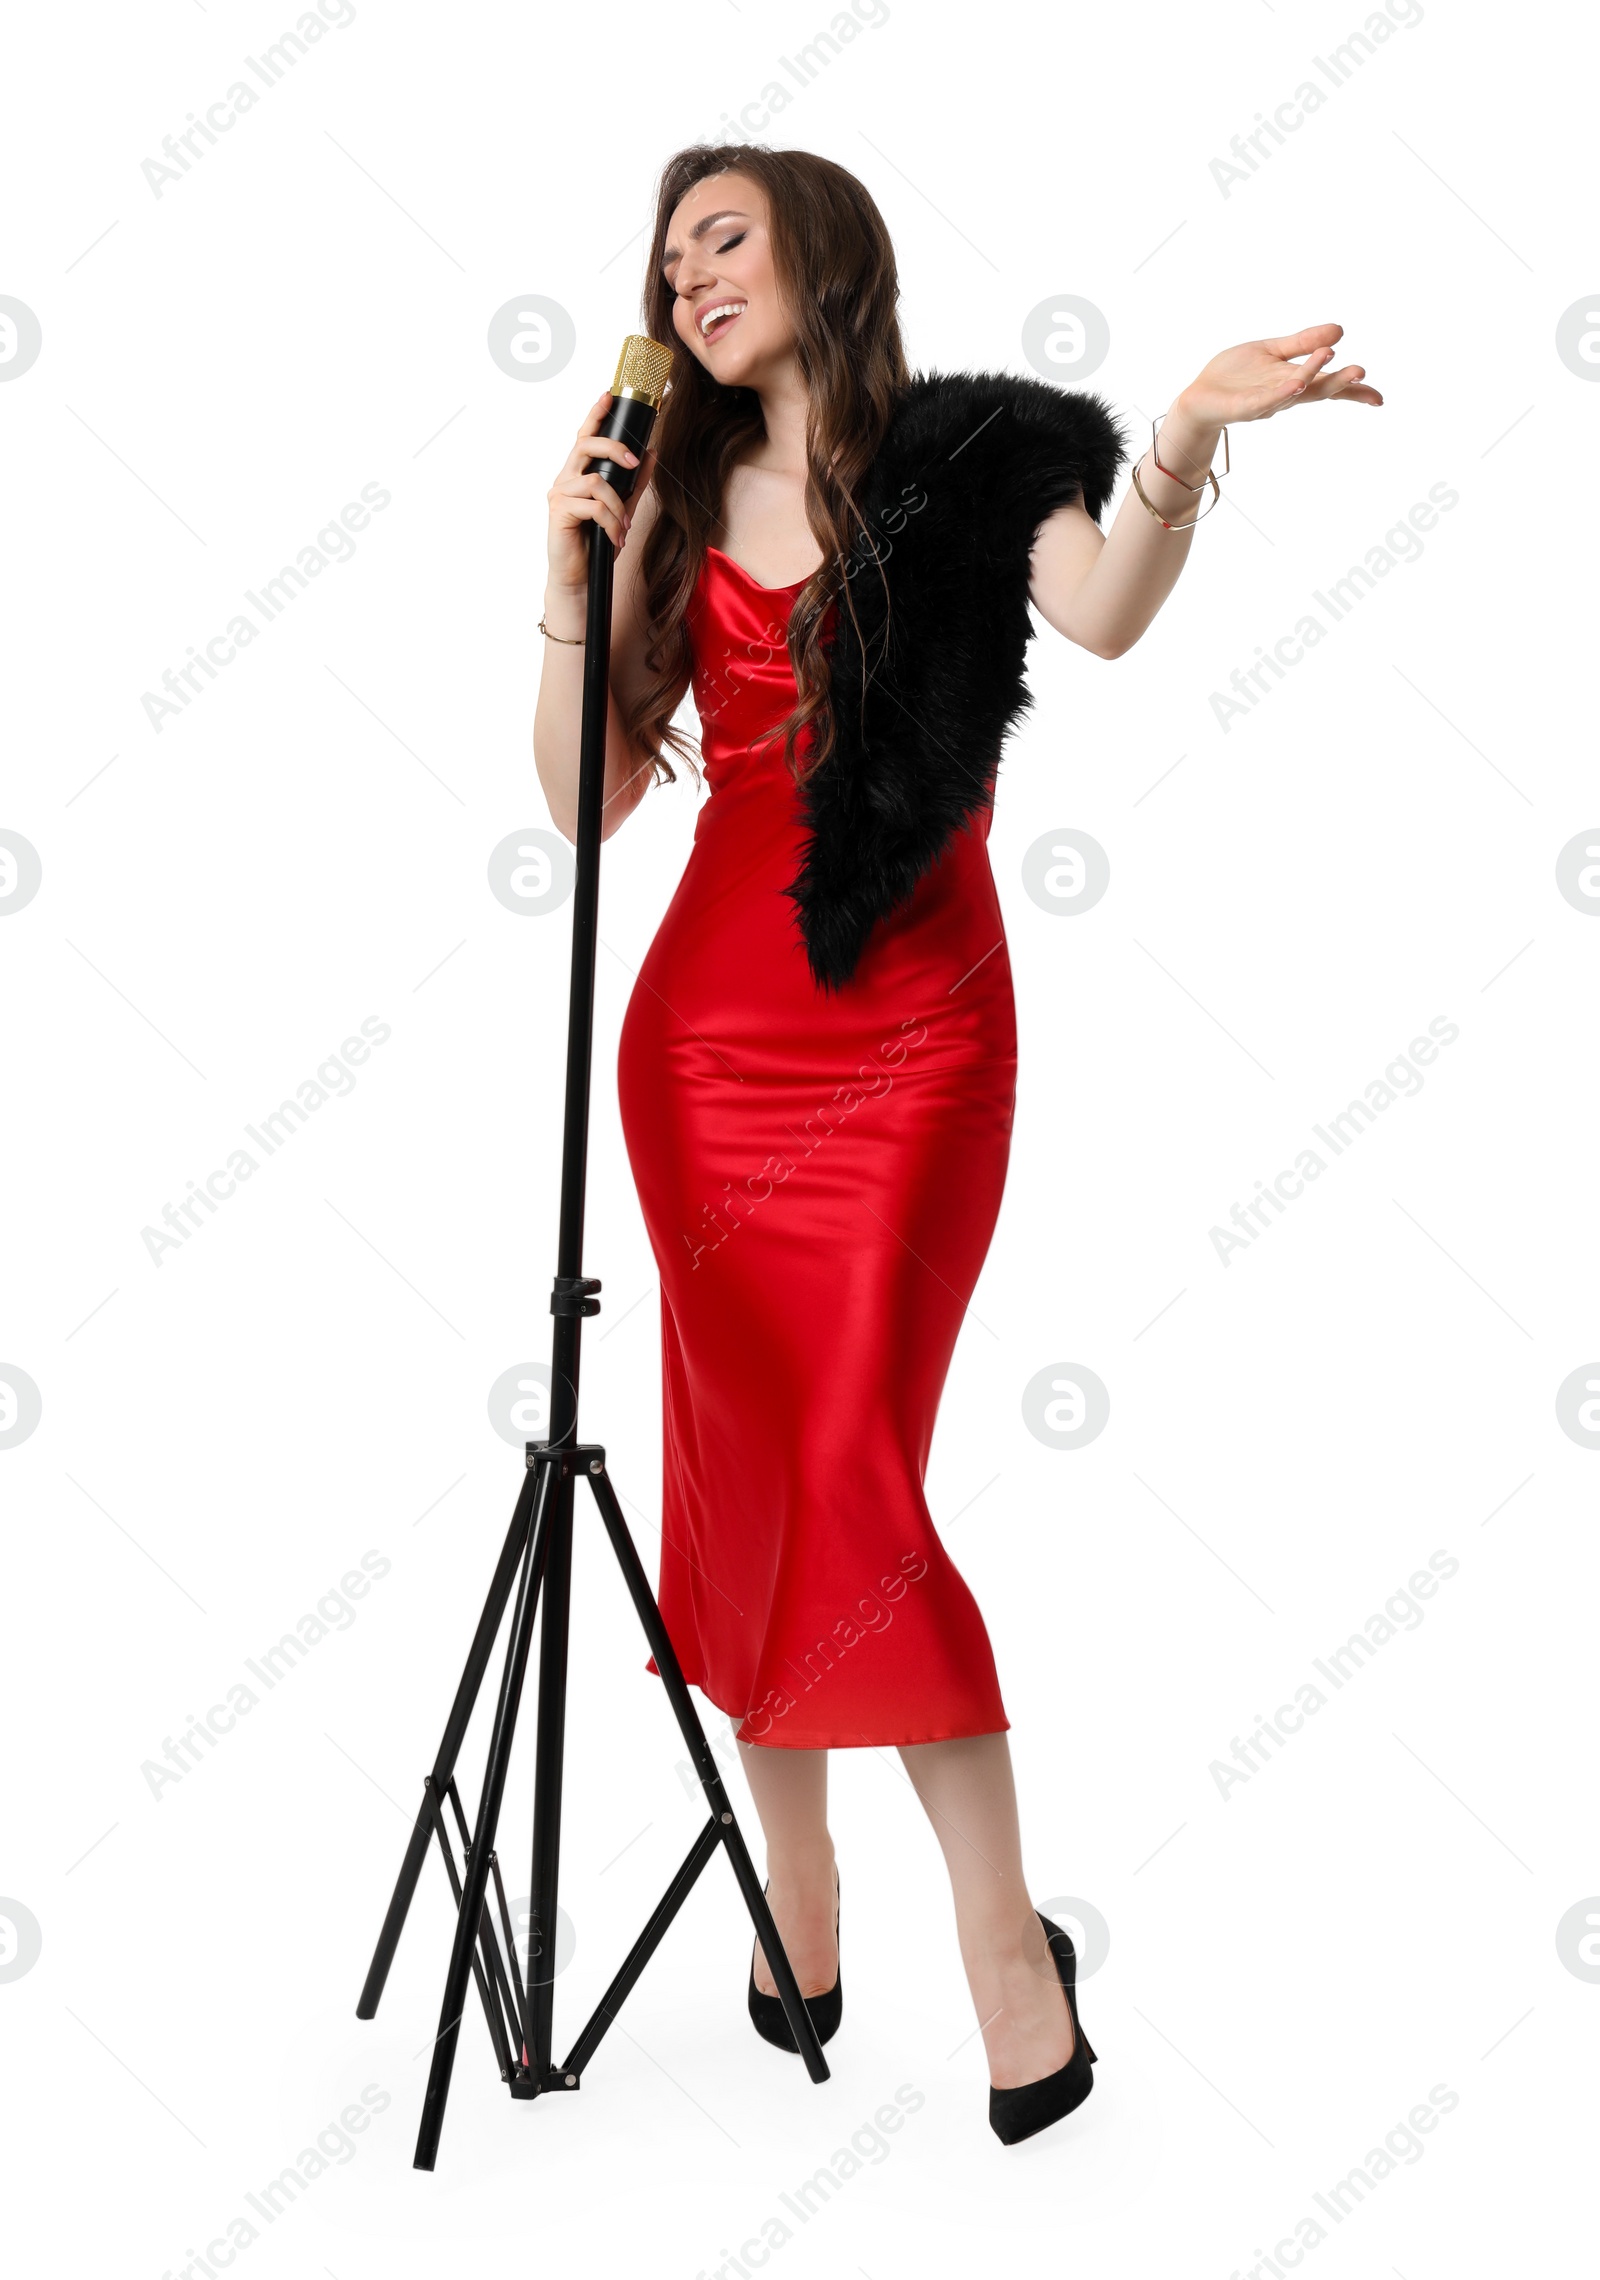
(717, 320)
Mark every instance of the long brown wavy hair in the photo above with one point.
(837, 282)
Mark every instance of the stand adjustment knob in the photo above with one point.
(571, 1294)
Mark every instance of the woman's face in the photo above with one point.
(718, 257)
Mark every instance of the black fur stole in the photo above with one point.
(971, 464)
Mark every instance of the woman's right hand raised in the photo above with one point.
(577, 498)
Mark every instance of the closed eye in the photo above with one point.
(670, 261)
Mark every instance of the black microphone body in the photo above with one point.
(629, 421)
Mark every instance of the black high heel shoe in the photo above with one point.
(826, 2009)
(1033, 2106)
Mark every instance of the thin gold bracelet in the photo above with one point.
(568, 640)
(1227, 459)
(1193, 519)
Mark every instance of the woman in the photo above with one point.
(817, 1065)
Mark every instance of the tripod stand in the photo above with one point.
(537, 1558)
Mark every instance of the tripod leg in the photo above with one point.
(705, 1765)
(488, 1972)
(504, 1973)
(476, 1881)
(552, 1716)
(444, 1764)
(644, 1947)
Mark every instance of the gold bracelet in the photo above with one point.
(568, 640)
(1227, 460)
(1193, 519)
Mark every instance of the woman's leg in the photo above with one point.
(790, 1788)
(967, 1790)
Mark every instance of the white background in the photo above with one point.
(1291, 1967)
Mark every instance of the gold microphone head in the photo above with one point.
(642, 369)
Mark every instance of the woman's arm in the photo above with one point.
(576, 500)
(1103, 589)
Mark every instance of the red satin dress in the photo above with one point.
(820, 1174)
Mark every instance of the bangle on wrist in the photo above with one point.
(567, 640)
(1193, 519)
(1227, 463)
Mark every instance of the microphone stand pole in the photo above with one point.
(537, 1557)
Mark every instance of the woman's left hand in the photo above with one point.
(1258, 378)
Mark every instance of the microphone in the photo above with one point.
(636, 392)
